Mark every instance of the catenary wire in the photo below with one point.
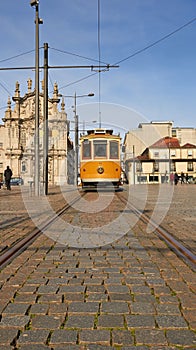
(99, 53)
(118, 62)
(77, 55)
(3, 86)
(156, 42)
(77, 81)
(16, 56)
(137, 52)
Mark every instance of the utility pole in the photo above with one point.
(45, 141)
(38, 21)
(76, 142)
(133, 164)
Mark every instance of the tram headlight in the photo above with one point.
(100, 170)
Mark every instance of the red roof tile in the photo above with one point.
(189, 145)
(166, 142)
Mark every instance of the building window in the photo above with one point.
(156, 154)
(172, 153)
(1, 165)
(138, 167)
(173, 133)
(190, 152)
(190, 166)
(1, 144)
(172, 166)
(23, 138)
(155, 166)
(153, 178)
(23, 167)
(142, 178)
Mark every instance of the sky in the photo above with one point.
(151, 41)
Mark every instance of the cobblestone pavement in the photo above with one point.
(180, 218)
(132, 294)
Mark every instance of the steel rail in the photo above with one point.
(20, 245)
(174, 244)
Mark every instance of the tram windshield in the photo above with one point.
(100, 148)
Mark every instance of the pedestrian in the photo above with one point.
(176, 178)
(171, 178)
(187, 178)
(8, 175)
(182, 177)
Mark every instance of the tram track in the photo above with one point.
(17, 247)
(174, 244)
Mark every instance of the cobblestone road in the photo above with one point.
(132, 294)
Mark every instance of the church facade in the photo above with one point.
(17, 138)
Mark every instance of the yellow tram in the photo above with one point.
(100, 159)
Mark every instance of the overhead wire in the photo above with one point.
(156, 42)
(118, 62)
(78, 81)
(16, 56)
(99, 54)
(139, 51)
(3, 86)
(77, 55)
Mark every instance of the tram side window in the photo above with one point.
(86, 149)
(100, 148)
(114, 153)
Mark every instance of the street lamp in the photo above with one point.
(38, 21)
(91, 94)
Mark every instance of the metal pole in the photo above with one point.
(45, 143)
(76, 142)
(169, 153)
(133, 164)
(37, 166)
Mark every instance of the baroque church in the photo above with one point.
(17, 132)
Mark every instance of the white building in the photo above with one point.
(17, 137)
(156, 149)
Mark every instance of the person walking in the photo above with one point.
(176, 178)
(8, 175)
(187, 178)
(182, 177)
(171, 178)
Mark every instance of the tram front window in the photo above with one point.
(114, 150)
(100, 148)
(86, 149)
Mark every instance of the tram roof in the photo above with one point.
(100, 131)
